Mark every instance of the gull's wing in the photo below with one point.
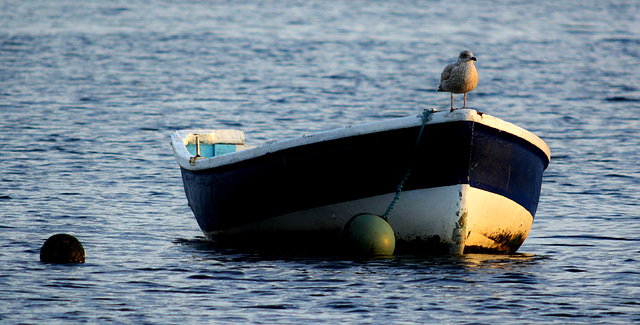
(446, 73)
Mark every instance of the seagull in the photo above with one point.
(460, 77)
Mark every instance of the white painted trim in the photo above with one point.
(459, 215)
(417, 214)
(183, 156)
(492, 215)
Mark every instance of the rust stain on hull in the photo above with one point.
(504, 242)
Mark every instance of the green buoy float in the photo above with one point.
(62, 248)
(368, 234)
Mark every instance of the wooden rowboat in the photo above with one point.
(474, 185)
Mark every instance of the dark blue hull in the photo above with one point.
(361, 166)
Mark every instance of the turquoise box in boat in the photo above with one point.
(211, 150)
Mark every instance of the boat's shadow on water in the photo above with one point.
(203, 248)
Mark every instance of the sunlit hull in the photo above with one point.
(474, 185)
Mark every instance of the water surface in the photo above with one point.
(90, 92)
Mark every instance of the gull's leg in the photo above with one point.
(465, 101)
(451, 102)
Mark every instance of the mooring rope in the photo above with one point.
(426, 114)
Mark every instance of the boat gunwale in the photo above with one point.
(184, 157)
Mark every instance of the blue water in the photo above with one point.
(91, 90)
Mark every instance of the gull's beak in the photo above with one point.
(473, 58)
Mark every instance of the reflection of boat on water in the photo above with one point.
(474, 185)
(497, 261)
